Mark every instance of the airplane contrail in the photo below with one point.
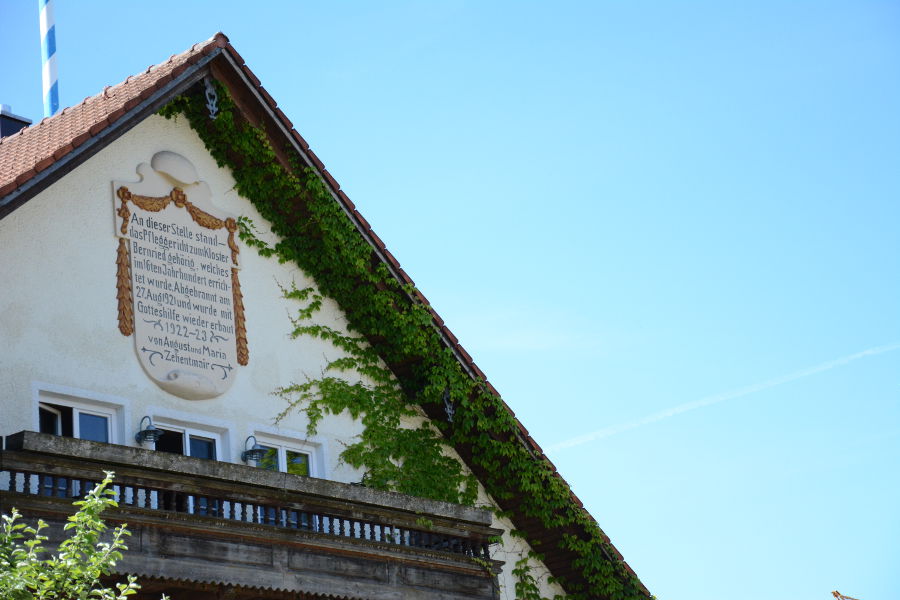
(710, 400)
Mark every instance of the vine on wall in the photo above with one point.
(384, 323)
(410, 461)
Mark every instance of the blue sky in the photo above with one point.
(620, 209)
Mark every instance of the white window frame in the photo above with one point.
(198, 424)
(54, 410)
(295, 442)
(114, 409)
(281, 451)
(187, 431)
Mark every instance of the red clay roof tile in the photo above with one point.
(300, 140)
(254, 80)
(25, 176)
(331, 180)
(376, 240)
(362, 221)
(348, 202)
(284, 118)
(462, 351)
(60, 152)
(269, 99)
(234, 53)
(450, 336)
(44, 163)
(315, 160)
(391, 259)
(434, 315)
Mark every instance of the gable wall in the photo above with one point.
(58, 318)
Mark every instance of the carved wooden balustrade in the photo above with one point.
(207, 523)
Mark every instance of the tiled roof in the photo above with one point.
(36, 148)
(25, 154)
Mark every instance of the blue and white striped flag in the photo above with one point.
(48, 58)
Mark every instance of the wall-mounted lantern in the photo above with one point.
(254, 453)
(149, 433)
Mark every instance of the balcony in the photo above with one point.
(205, 529)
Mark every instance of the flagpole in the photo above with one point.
(48, 58)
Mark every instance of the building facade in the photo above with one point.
(142, 335)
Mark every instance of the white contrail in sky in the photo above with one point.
(709, 400)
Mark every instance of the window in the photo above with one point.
(188, 442)
(80, 421)
(285, 459)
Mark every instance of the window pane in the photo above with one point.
(298, 463)
(49, 421)
(55, 419)
(203, 448)
(93, 427)
(67, 424)
(270, 460)
(171, 441)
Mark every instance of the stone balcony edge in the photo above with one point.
(107, 456)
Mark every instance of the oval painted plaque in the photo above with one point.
(177, 279)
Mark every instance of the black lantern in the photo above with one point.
(254, 453)
(149, 433)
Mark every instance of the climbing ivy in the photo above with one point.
(526, 585)
(386, 324)
(411, 461)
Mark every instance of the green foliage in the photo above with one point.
(411, 461)
(27, 572)
(526, 585)
(385, 321)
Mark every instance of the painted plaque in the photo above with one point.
(177, 279)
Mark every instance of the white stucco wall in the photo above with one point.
(59, 330)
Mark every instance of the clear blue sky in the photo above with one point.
(621, 208)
